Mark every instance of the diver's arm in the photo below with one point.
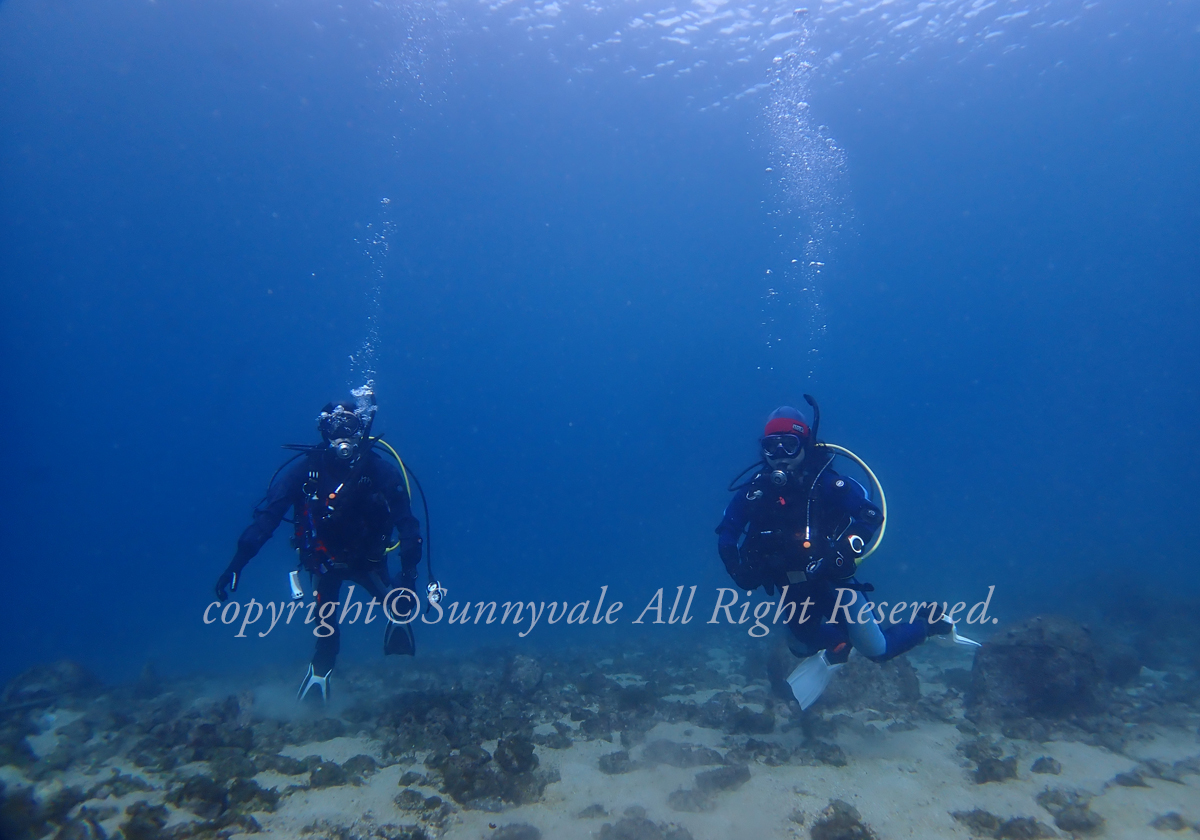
(267, 516)
(406, 525)
(859, 520)
(729, 533)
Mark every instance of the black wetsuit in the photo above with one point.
(345, 515)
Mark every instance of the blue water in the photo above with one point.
(579, 301)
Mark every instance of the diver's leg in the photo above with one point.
(865, 636)
(397, 638)
(316, 680)
(901, 638)
(327, 647)
(823, 648)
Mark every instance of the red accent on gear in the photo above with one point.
(786, 426)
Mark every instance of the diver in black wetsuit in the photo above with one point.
(806, 529)
(347, 502)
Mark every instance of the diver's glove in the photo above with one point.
(830, 567)
(743, 575)
(227, 581)
(408, 579)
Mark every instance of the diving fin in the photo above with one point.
(311, 681)
(398, 640)
(952, 632)
(809, 679)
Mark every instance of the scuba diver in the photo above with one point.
(347, 502)
(806, 528)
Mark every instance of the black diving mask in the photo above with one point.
(781, 446)
(340, 423)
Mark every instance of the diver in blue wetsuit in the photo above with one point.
(802, 528)
(347, 503)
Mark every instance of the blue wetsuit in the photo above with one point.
(807, 535)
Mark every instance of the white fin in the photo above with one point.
(809, 679)
(311, 680)
(961, 640)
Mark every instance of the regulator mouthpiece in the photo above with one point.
(779, 478)
(344, 449)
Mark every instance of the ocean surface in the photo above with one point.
(582, 249)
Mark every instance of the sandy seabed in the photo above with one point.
(903, 772)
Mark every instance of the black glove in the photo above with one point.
(830, 567)
(227, 580)
(410, 557)
(744, 576)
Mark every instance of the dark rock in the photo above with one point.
(1045, 667)
(282, 764)
(202, 795)
(746, 721)
(995, 770)
(14, 749)
(78, 731)
(468, 777)
(979, 822)
(841, 821)
(1121, 664)
(592, 812)
(410, 800)
(1169, 822)
(556, 740)
(56, 806)
(616, 762)
(474, 781)
(118, 785)
(1023, 828)
(46, 683)
(398, 832)
(230, 763)
(1047, 765)
(978, 749)
(20, 816)
(327, 774)
(594, 683)
(729, 777)
(638, 827)
(516, 831)
(524, 674)
(1079, 821)
(80, 829)
(956, 678)
(636, 698)
(768, 752)
(1070, 810)
(1133, 779)
(145, 822)
(360, 765)
(412, 777)
(679, 755)
(515, 754)
(247, 795)
(1157, 769)
(691, 801)
(888, 687)
(828, 753)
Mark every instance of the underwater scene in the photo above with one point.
(600, 419)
